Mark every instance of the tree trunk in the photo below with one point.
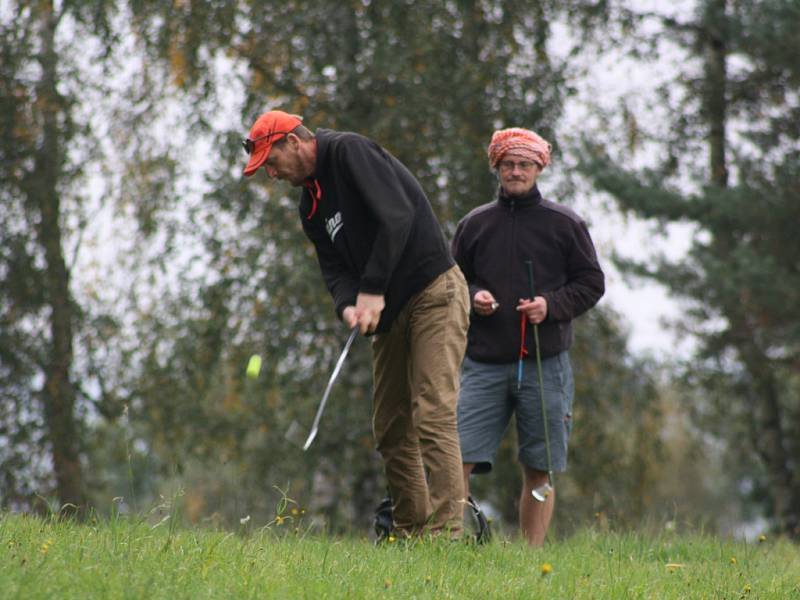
(714, 97)
(59, 392)
(768, 417)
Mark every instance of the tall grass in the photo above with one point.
(131, 558)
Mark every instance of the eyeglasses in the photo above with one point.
(250, 145)
(524, 165)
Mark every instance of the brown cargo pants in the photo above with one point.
(416, 371)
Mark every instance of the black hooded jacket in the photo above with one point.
(372, 225)
(492, 244)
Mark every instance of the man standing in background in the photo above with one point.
(492, 245)
(388, 268)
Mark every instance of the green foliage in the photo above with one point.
(741, 273)
(56, 92)
(37, 315)
(121, 558)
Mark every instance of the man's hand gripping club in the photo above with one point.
(366, 313)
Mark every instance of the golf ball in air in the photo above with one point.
(254, 366)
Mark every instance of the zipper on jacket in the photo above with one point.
(514, 262)
(511, 261)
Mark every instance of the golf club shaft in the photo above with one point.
(337, 368)
(529, 264)
(544, 406)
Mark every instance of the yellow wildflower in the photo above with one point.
(279, 520)
(547, 568)
(762, 538)
(733, 560)
(392, 539)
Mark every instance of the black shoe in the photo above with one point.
(383, 522)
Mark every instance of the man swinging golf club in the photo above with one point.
(517, 352)
(386, 263)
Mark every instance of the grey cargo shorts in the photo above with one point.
(489, 397)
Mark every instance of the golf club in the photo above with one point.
(483, 532)
(523, 352)
(541, 493)
(337, 368)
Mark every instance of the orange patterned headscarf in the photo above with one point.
(521, 142)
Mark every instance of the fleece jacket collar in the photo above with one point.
(529, 200)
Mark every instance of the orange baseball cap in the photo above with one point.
(268, 128)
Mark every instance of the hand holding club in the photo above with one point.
(366, 313)
(535, 310)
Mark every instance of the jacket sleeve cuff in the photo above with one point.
(341, 305)
(551, 316)
(473, 289)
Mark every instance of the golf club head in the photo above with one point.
(483, 532)
(310, 439)
(541, 493)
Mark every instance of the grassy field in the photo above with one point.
(122, 558)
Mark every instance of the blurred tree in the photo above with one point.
(58, 80)
(38, 314)
(737, 93)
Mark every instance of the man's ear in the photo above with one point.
(293, 141)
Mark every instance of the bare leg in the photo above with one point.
(534, 516)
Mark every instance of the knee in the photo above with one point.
(534, 477)
(399, 439)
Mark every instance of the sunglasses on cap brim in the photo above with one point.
(250, 145)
